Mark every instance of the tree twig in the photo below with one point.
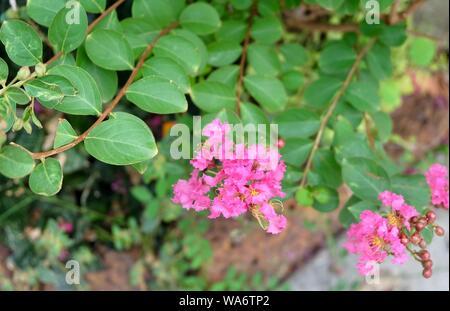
(331, 108)
(113, 104)
(243, 62)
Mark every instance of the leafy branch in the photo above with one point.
(332, 107)
(115, 101)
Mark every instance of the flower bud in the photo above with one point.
(439, 231)
(427, 264)
(425, 255)
(23, 73)
(427, 273)
(423, 244)
(415, 238)
(40, 69)
(431, 217)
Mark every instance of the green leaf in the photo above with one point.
(365, 177)
(320, 93)
(358, 207)
(200, 18)
(157, 95)
(108, 49)
(394, 35)
(227, 75)
(107, 80)
(225, 115)
(68, 30)
(198, 44)
(212, 96)
(165, 68)
(267, 30)
(241, 4)
(304, 197)
(139, 32)
(222, 53)
(94, 6)
(87, 101)
(264, 60)
(252, 114)
(47, 177)
(158, 12)
(383, 124)
(15, 162)
(180, 50)
(294, 55)
(422, 52)
(363, 95)
(296, 151)
(232, 30)
(22, 43)
(50, 88)
(428, 234)
(7, 115)
(122, 140)
(268, 92)
(326, 199)
(415, 190)
(44, 11)
(4, 71)
(65, 134)
(297, 123)
(293, 80)
(17, 96)
(329, 171)
(337, 58)
(111, 21)
(379, 61)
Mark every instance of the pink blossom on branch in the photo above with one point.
(437, 179)
(231, 179)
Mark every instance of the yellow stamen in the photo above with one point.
(394, 220)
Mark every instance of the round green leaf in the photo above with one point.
(292, 80)
(319, 93)
(198, 44)
(68, 30)
(122, 140)
(50, 88)
(17, 96)
(180, 50)
(222, 53)
(330, 4)
(264, 60)
(94, 6)
(158, 12)
(139, 32)
(241, 4)
(294, 55)
(47, 178)
(379, 61)
(363, 95)
(232, 30)
(212, 96)
(87, 100)
(296, 151)
(108, 49)
(415, 190)
(422, 51)
(326, 199)
(157, 95)
(366, 178)
(15, 162)
(304, 197)
(337, 58)
(297, 123)
(267, 30)
(394, 35)
(252, 114)
(22, 43)
(268, 92)
(43, 11)
(200, 18)
(165, 68)
(227, 75)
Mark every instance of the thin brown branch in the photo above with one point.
(332, 107)
(393, 14)
(243, 62)
(104, 14)
(414, 6)
(369, 133)
(113, 104)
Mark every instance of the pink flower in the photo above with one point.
(437, 179)
(373, 239)
(401, 212)
(232, 179)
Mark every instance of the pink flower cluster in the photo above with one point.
(376, 237)
(231, 179)
(437, 179)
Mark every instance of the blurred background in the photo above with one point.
(127, 235)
